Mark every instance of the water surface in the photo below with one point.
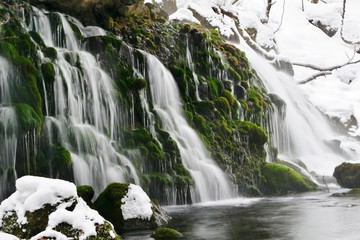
(311, 216)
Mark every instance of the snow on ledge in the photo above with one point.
(136, 204)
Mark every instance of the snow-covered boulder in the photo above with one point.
(128, 207)
(43, 208)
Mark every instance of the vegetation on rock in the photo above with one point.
(166, 234)
(280, 180)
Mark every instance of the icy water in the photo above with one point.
(311, 216)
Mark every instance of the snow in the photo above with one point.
(5, 236)
(136, 204)
(33, 192)
(296, 39)
(288, 34)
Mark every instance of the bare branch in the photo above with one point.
(342, 27)
(313, 77)
(323, 71)
(282, 17)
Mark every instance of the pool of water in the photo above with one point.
(311, 216)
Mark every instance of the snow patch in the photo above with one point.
(5, 236)
(136, 204)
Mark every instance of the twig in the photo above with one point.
(324, 71)
(313, 77)
(282, 17)
(342, 27)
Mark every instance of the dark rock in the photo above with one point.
(87, 193)
(352, 193)
(110, 204)
(325, 28)
(348, 175)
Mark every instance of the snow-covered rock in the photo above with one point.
(44, 208)
(128, 207)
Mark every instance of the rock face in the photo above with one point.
(91, 11)
(129, 208)
(348, 175)
(44, 208)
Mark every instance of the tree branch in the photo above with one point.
(313, 77)
(324, 71)
(342, 27)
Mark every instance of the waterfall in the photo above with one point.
(211, 183)
(86, 117)
(8, 131)
(301, 133)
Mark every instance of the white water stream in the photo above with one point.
(87, 114)
(211, 183)
(304, 134)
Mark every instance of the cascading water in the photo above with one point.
(211, 182)
(8, 131)
(302, 133)
(86, 115)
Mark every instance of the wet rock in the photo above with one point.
(348, 175)
(128, 207)
(166, 234)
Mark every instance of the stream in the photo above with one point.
(310, 216)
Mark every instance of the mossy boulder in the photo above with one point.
(87, 193)
(348, 175)
(55, 209)
(166, 234)
(128, 207)
(281, 180)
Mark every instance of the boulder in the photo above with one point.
(43, 208)
(166, 234)
(128, 207)
(280, 180)
(348, 175)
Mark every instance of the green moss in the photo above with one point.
(37, 38)
(50, 52)
(48, 72)
(257, 136)
(86, 192)
(61, 162)
(141, 135)
(215, 86)
(223, 105)
(137, 84)
(280, 179)
(68, 230)
(229, 97)
(161, 178)
(205, 108)
(154, 151)
(201, 124)
(27, 117)
(166, 234)
(109, 201)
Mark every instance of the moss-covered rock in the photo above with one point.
(348, 175)
(55, 202)
(87, 193)
(280, 180)
(166, 234)
(111, 204)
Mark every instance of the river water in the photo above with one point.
(310, 216)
